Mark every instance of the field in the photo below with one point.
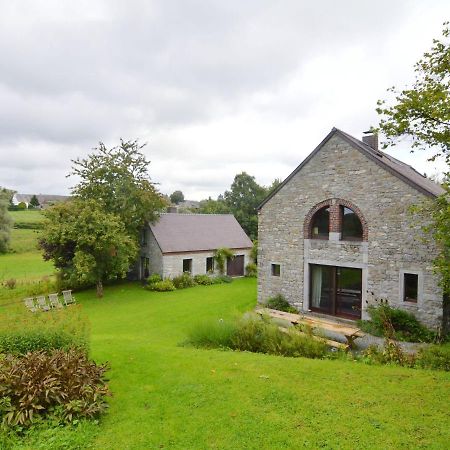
(168, 395)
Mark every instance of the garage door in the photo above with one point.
(235, 266)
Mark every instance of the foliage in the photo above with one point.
(22, 331)
(185, 280)
(405, 325)
(177, 197)
(391, 353)
(256, 335)
(10, 283)
(118, 180)
(281, 304)
(86, 243)
(220, 279)
(436, 357)
(220, 257)
(203, 280)
(21, 206)
(34, 202)
(154, 278)
(166, 285)
(422, 112)
(251, 270)
(62, 384)
(243, 198)
(5, 221)
(210, 206)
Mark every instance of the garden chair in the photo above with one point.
(29, 303)
(54, 301)
(68, 298)
(42, 303)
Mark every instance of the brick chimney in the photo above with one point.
(371, 139)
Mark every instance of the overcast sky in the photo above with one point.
(214, 87)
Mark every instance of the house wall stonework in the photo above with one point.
(173, 263)
(394, 244)
(152, 251)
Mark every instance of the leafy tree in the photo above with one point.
(177, 197)
(5, 221)
(34, 202)
(243, 198)
(210, 206)
(119, 181)
(422, 111)
(22, 206)
(86, 243)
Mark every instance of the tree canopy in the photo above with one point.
(177, 197)
(421, 112)
(88, 244)
(34, 202)
(119, 181)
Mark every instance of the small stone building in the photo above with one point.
(337, 234)
(180, 243)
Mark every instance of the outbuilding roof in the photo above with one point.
(398, 168)
(198, 232)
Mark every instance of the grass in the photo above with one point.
(169, 396)
(27, 216)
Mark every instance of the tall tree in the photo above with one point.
(177, 197)
(422, 113)
(210, 206)
(5, 220)
(34, 202)
(243, 198)
(119, 181)
(86, 243)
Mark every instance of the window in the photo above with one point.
(187, 265)
(351, 225)
(320, 223)
(144, 237)
(210, 264)
(276, 270)
(410, 287)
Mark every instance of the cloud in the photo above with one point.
(215, 88)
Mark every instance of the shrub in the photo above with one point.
(154, 278)
(183, 281)
(220, 279)
(281, 304)
(256, 335)
(434, 357)
(22, 206)
(162, 286)
(56, 329)
(62, 384)
(391, 353)
(204, 280)
(11, 283)
(406, 326)
(251, 270)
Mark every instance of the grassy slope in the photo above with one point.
(25, 262)
(167, 396)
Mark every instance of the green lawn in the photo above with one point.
(169, 396)
(27, 216)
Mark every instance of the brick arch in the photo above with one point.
(335, 216)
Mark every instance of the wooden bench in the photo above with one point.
(351, 333)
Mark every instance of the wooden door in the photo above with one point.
(235, 266)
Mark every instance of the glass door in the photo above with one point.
(336, 290)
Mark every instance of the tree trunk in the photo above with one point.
(99, 289)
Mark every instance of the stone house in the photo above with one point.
(180, 243)
(337, 234)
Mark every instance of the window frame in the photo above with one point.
(320, 236)
(402, 292)
(190, 265)
(341, 231)
(273, 270)
(210, 259)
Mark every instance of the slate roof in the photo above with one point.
(198, 232)
(42, 198)
(398, 168)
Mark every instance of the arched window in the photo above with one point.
(320, 223)
(352, 229)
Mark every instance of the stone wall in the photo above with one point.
(394, 246)
(152, 251)
(173, 262)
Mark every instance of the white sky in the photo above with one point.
(215, 88)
